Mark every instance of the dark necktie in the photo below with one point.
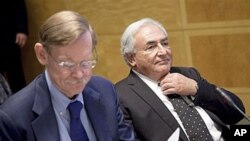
(193, 123)
(77, 131)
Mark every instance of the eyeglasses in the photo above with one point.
(71, 65)
(155, 47)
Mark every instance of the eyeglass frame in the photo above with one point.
(82, 64)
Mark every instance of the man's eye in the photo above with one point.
(151, 47)
(67, 64)
(86, 64)
(164, 43)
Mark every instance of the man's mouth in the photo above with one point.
(163, 61)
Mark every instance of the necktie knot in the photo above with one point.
(75, 109)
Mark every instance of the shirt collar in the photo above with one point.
(150, 82)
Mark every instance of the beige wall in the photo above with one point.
(211, 35)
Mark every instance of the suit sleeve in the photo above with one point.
(210, 99)
(8, 132)
(125, 129)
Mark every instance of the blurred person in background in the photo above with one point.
(13, 37)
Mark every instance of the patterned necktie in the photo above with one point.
(193, 123)
(77, 131)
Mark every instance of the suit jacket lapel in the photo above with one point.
(45, 125)
(96, 113)
(153, 101)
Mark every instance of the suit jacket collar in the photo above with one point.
(45, 125)
(95, 109)
(153, 101)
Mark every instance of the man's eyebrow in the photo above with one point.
(153, 42)
(164, 39)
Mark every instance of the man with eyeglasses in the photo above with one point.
(166, 102)
(65, 103)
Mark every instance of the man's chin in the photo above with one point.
(164, 70)
(79, 90)
(76, 89)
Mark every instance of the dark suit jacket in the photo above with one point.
(29, 115)
(154, 122)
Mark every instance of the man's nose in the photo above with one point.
(78, 72)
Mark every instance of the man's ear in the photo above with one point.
(41, 54)
(131, 59)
